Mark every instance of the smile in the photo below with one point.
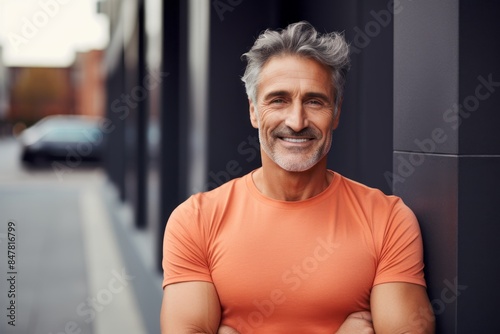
(295, 140)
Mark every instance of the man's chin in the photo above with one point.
(293, 162)
(294, 167)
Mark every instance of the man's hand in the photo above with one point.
(357, 323)
(227, 330)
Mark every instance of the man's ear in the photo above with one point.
(336, 118)
(253, 114)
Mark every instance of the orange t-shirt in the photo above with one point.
(292, 267)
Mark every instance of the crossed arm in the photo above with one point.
(396, 308)
(190, 308)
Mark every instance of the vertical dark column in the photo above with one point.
(142, 123)
(114, 159)
(479, 166)
(425, 170)
(169, 117)
(447, 152)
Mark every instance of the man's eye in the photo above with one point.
(278, 101)
(314, 103)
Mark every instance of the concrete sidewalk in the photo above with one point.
(137, 249)
(114, 246)
(81, 267)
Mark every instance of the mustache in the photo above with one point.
(285, 131)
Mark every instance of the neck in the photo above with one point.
(279, 184)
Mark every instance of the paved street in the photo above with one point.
(76, 265)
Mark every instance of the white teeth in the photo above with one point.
(295, 140)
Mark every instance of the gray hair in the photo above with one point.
(300, 39)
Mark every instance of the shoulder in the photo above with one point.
(366, 194)
(374, 203)
(220, 195)
(206, 204)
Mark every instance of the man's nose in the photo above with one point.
(296, 118)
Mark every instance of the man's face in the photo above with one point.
(294, 112)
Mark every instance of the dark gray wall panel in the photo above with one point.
(479, 245)
(365, 130)
(431, 191)
(479, 77)
(425, 72)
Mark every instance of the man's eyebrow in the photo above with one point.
(275, 93)
(316, 95)
(308, 95)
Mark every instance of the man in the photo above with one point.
(293, 247)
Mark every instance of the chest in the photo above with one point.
(288, 264)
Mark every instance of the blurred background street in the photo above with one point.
(78, 264)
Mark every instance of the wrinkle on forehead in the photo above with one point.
(294, 74)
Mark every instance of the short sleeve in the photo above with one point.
(401, 253)
(184, 247)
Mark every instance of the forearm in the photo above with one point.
(358, 322)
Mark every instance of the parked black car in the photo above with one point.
(69, 139)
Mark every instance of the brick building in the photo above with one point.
(36, 92)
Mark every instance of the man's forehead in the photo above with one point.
(287, 60)
(281, 73)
